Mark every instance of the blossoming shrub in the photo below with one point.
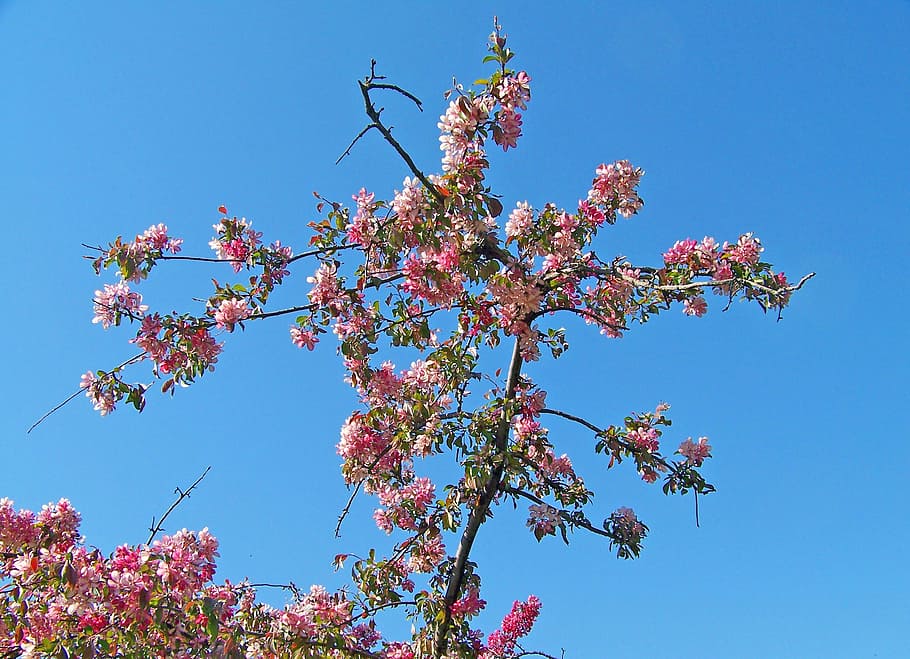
(441, 271)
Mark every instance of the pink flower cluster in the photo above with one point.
(408, 207)
(507, 129)
(135, 259)
(516, 296)
(468, 605)
(543, 519)
(645, 437)
(404, 505)
(459, 127)
(708, 256)
(102, 398)
(155, 240)
(520, 220)
(513, 93)
(360, 230)
(61, 599)
(518, 623)
(614, 188)
(733, 267)
(116, 301)
(433, 274)
(366, 450)
(303, 338)
(178, 346)
(327, 289)
(230, 312)
(695, 453)
(235, 240)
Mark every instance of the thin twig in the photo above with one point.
(116, 369)
(54, 409)
(347, 151)
(183, 494)
(347, 508)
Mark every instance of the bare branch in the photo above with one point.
(347, 151)
(281, 312)
(347, 508)
(183, 494)
(54, 409)
(396, 88)
(368, 85)
(571, 417)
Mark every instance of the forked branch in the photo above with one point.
(367, 85)
(182, 494)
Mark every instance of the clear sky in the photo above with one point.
(786, 119)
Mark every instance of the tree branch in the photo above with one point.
(482, 507)
(183, 494)
(366, 86)
(574, 519)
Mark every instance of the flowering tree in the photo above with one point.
(435, 274)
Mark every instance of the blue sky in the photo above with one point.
(786, 119)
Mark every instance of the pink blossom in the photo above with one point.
(102, 398)
(681, 252)
(235, 242)
(360, 228)
(398, 651)
(695, 454)
(469, 605)
(645, 438)
(695, 306)
(746, 251)
(304, 338)
(115, 301)
(515, 91)
(326, 287)
(508, 129)
(427, 554)
(520, 220)
(458, 126)
(614, 187)
(408, 207)
(155, 238)
(722, 272)
(543, 518)
(230, 312)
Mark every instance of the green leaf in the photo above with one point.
(211, 626)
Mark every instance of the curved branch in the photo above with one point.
(571, 417)
(366, 86)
